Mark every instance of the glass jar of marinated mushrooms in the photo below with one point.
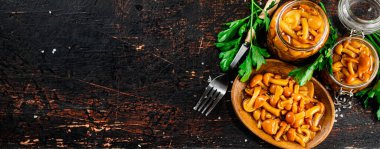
(297, 31)
(355, 61)
(355, 64)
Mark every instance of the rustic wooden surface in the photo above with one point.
(126, 73)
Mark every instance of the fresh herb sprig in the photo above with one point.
(324, 60)
(372, 93)
(229, 41)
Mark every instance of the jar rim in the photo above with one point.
(320, 11)
(375, 67)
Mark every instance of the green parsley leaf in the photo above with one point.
(266, 21)
(229, 33)
(246, 68)
(258, 56)
(243, 29)
(225, 46)
(227, 58)
(362, 92)
(303, 74)
(366, 103)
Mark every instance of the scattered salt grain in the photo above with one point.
(245, 140)
(54, 50)
(219, 118)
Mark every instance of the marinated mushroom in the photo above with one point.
(290, 118)
(279, 90)
(310, 87)
(248, 104)
(310, 112)
(291, 134)
(256, 80)
(256, 114)
(260, 101)
(269, 78)
(270, 126)
(263, 114)
(315, 124)
(281, 131)
(271, 109)
(283, 104)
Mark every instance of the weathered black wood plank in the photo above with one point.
(126, 73)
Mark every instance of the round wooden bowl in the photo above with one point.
(276, 66)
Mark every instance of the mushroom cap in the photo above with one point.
(291, 134)
(350, 79)
(298, 123)
(296, 97)
(287, 91)
(293, 18)
(256, 114)
(256, 80)
(315, 22)
(290, 118)
(260, 100)
(247, 107)
(270, 126)
(339, 49)
(272, 88)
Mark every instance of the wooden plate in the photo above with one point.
(276, 66)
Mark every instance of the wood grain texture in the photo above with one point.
(126, 73)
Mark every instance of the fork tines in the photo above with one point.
(211, 96)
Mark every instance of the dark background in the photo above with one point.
(126, 73)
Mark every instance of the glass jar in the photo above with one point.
(361, 17)
(338, 83)
(298, 30)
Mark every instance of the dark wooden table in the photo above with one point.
(126, 73)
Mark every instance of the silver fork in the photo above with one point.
(217, 88)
